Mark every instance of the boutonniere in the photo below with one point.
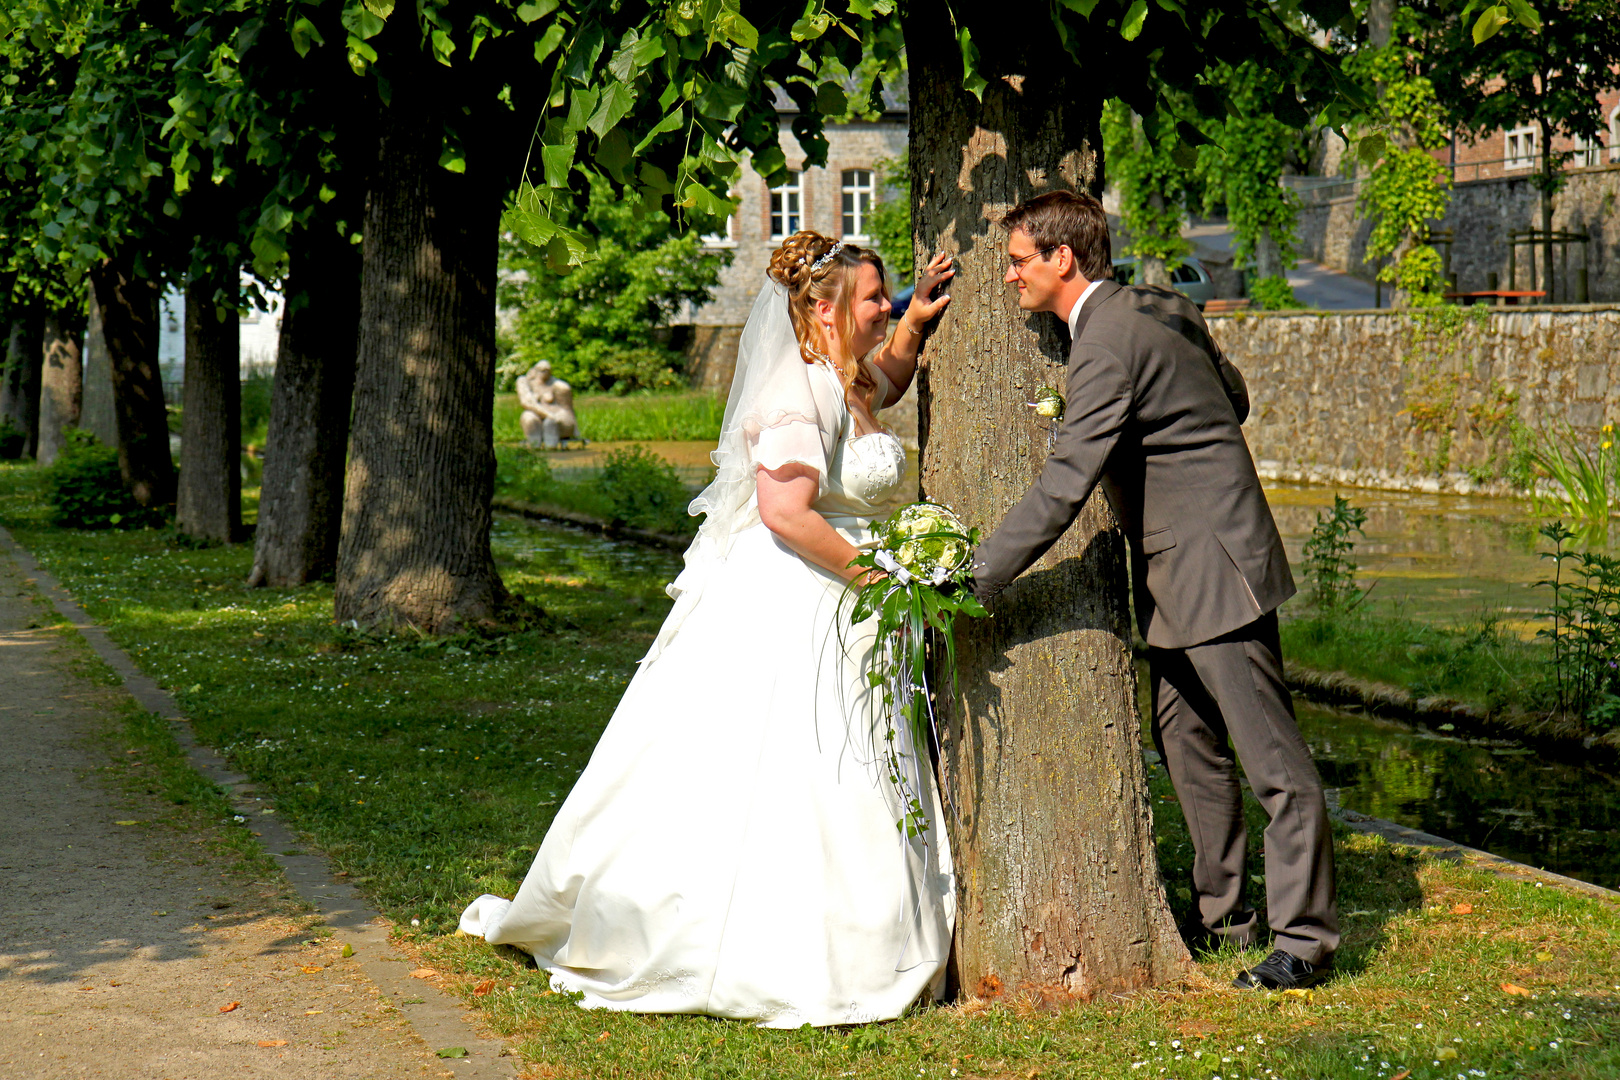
(1048, 403)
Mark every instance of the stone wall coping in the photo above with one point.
(1324, 313)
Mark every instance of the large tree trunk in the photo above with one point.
(416, 511)
(62, 384)
(19, 396)
(98, 414)
(1059, 887)
(208, 505)
(301, 498)
(129, 323)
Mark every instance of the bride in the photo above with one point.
(732, 848)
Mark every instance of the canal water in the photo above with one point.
(1440, 558)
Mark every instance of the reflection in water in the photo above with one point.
(1489, 794)
(1440, 558)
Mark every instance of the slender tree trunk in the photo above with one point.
(62, 385)
(129, 323)
(1267, 258)
(97, 412)
(19, 397)
(208, 505)
(301, 498)
(1059, 887)
(1153, 268)
(416, 512)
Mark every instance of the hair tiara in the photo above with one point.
(832, 253)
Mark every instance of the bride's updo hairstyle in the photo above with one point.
(793, 265)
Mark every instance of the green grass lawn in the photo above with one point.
(1478, 661)
(692, 415)
(429, 770)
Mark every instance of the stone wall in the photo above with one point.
(1482, 213)
(1393, 400)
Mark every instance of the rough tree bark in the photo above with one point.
(97, 412)
(62, 384)
(1059, 887)
(208, 504)
(129, 323)
(19, 396)
(416, 512)
(301, 498)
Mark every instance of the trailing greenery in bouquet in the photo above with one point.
(922, 554)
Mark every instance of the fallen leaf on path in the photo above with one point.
(1462, 909)
(1544, 956)
(232, 1007)
(424, 973)
(313, 1012)
(603, 1037)
(484, 987)
(1299, 993)
(348, 951)
(272, 1042)
(1511, 988)
(126, 823)
(311, 969)
(453, 1052)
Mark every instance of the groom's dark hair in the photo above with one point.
(1067, 218)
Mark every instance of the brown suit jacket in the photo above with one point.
(1153, 413)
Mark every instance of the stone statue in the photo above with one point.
(548, 407)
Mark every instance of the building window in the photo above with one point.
(1588, 154)
(1614, 134)
(858, 192)
(785, 201)
(1520, 150)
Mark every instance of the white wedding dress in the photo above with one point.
(732, 847)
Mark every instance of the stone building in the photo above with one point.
(835, 199)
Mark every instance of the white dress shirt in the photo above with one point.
(1074, 312)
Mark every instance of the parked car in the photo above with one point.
(1190, 279)
(900, 301)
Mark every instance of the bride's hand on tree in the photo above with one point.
(925, 307)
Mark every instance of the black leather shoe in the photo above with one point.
(1282, 971)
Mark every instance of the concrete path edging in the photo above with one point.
(438, 1018)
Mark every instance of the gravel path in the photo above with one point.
(128, 947)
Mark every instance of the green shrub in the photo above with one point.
(1273, 294)
(643, 490)
(522, 473)
(12, 439)
(86, 489)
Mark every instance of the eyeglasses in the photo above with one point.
(1017, 265)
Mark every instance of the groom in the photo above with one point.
(1153, 412)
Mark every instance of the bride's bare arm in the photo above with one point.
(785, 496)
(898, 356)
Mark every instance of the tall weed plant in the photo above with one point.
(1585, 483)
(1330, 565)
(1585, 631)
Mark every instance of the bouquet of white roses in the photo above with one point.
(922, 556)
